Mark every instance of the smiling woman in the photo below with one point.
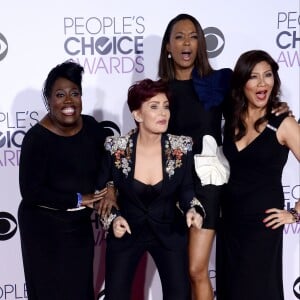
(65, 108)
(60, 157)
(62, 97)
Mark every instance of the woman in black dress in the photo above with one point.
(199, 96)
(256, 144)
(59, 162)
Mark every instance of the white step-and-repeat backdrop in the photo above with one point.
(118, 42)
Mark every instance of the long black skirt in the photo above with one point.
(57, 250)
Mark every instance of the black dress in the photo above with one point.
(57, 244)
(249, 255)
(196, 108)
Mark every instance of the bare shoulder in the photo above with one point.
(289, 123)
(288, 131)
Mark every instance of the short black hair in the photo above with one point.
(69, 70)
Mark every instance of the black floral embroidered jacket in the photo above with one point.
(162, 214)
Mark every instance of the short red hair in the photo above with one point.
(143, 90)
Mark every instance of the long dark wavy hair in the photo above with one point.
(166, 70)
(235, 125)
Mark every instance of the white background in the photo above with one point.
(35, 35)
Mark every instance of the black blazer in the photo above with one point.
(162, 214)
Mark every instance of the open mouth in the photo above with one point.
(261, 95)
(162, 122)
(186, 55)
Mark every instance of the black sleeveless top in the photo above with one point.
(146, 192)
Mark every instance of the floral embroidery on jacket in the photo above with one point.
(175, 147)
(121, 149)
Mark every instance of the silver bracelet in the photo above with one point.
(295, 214)
(110, 184)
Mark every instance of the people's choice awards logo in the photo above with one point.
(288, 38)
(215, 41)
(13, 127)
(8, 226)
(3, 46)
(110, 45)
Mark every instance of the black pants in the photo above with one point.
(172, 267)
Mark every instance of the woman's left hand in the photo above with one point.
(277, 217)
(120, 227)
(193, 218)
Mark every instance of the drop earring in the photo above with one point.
(169, 55)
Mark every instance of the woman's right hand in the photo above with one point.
(109, 200)
(90, 200)
(120, 227)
